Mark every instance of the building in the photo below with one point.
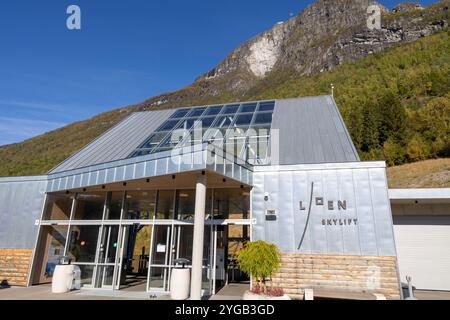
(198, 182)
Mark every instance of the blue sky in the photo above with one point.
(126, 52)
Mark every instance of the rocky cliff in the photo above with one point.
(326, 34)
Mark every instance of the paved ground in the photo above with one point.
(432, 295)
(233, 291)
(43, 292)
(230, 292)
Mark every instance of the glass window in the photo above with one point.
(196, 112)
(108, 244)
(212, 111)
(164, 208)
(248, 107)
(105, 276)
(223, 121)
(114, 205)
(185, 204)
(154, 140)
(186, 124)
(58, 207)
(267, 106)
(231, 109)
(168, 125)
(83, 243)
(263, 118)
(244, 119)
(87, 272)
(89, 206)
(207, 122)
(180, 113)
(140, 205)
(171, 141)
(56, 239)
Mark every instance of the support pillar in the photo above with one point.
(199, 231)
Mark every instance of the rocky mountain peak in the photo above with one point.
(407, 6)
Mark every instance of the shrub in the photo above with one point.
(260, 260)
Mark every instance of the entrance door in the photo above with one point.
(159, 271)
(106, 261)
(132, 263)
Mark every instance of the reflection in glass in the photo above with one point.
(58, 207)
(160, 245)
(165, 204)
(104, 276)
(185, 204)
(114, 205)
(87, 272)
(89, 206)
(159, 278)
(56, 241)
(108, 244)
(139, 205)
(83, 243)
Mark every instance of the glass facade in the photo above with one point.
(58, 207)
(230, 127)
(134, 238)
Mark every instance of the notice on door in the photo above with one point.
(160, 248)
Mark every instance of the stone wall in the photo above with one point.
(352, 274)
(15, 266)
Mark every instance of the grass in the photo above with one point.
(424, 174)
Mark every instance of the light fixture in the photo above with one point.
(184, 195)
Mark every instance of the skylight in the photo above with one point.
(240, 129)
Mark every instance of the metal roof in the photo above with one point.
(118, 142)
(311, 130)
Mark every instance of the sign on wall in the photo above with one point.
(324, 209)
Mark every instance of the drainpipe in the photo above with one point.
(199, 229)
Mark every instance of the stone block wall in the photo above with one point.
(353, 274)
(15, 266)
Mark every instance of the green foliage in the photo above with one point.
(417, 149)
(391, 102)
(383, 97)
(259, 259)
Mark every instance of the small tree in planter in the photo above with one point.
(260, 260)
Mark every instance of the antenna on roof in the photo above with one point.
(332, 90)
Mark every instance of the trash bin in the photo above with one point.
(180, 281)
(63, 276)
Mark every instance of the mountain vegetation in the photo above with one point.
(392, 86)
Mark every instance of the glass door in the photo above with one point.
(107, 251)
(159, 271)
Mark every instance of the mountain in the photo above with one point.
(389, 82)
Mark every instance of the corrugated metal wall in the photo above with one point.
(362, 186)
(21, 201)
(311, 130)
(118, 142)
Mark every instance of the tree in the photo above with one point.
(392, 123)
(393, 153)
(260, 260)
(417, 149)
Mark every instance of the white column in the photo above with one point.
(199, 230)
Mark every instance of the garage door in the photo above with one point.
(423, 248)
